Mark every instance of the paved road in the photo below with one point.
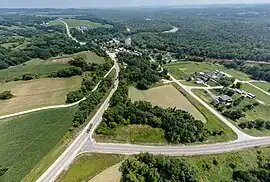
(53, 107)
(69, 34)
(71, 152)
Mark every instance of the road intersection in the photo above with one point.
(85, 143)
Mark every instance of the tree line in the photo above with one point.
(258, 124)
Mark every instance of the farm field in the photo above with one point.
(74, 23)
(90, 57)
(165, 96)
(87, 166)
(264, 86)
(37, 93)
(185, 68)
(26, 139)
(35, 66)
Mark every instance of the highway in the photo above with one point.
(71, 152)
(85, 143)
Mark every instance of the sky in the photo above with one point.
(111, 3)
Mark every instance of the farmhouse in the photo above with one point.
(224, 99)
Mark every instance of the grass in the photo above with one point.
(74, 23)
(259, 94)
(186, 68)
(137, 134)
(35, 66)
(165, 96)
(26, 139)
(243, 160)
(87, 166)
(90, 57)
(264, 86)
(112, 174)
(212, 122)
(259, 112)
(37, 93)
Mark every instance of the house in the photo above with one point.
(199, 82)
(83, 27)
(225, 99)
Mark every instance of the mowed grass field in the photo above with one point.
(186, 68)
(87, 166)
(37, 93)
(259, 94)
(26, 139)
(165, 96)
(90, 57)
(74, 23)
(264, 86)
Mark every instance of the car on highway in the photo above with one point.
(89, 128)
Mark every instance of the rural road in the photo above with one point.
(71, 152)
(69, 34)
(53, 107)
(84, 142)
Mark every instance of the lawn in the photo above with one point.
(74, 23)
(137, 134)
(186, 68)
(259, 112)
(35, 66)
(37, 93)
(87, 166)
(26, 139)
(264, 86)
(243, 160)
(259, 94)
(165, 96)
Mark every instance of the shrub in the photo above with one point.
(5, 95)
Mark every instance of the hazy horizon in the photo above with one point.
(114, 3)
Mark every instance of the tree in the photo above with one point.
(6, 95)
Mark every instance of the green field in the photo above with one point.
(90, 57)
(259, 94)
(87, 166)
(259, 112)
(165, 96)
(26, 139)
(74, 23)
(186, 68)
(137, 134)
(37, 93)
(264, 86)
(35, 66)
(243, 160)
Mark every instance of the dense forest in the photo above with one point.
(146, 167)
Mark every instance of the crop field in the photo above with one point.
(87, 166)
(186, 68)
(74, 23)
(165, 96)
(35, 66)
(26, 139)
(264, 86)
(37, 93)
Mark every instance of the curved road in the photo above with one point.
(53, 107)
(84, 142)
